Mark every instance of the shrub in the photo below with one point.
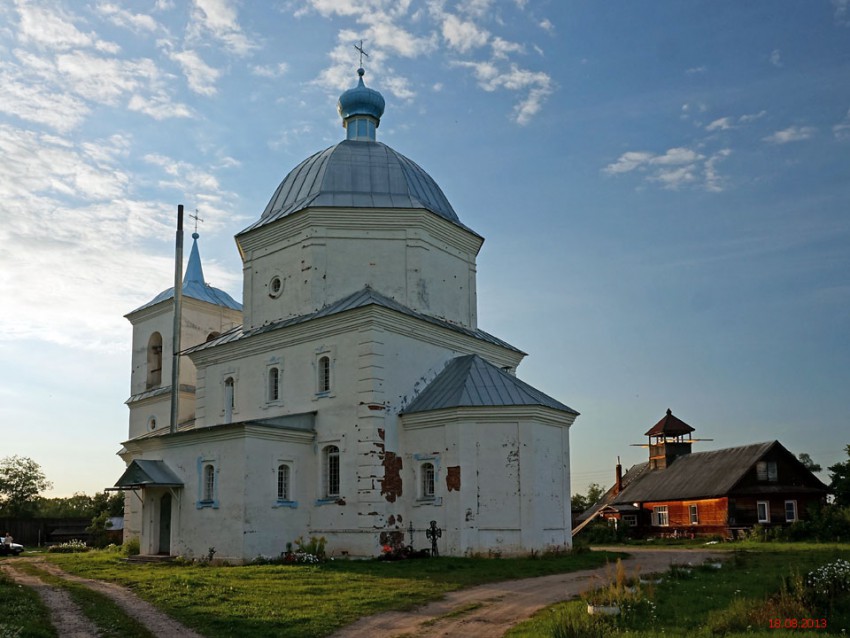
(131, 547)
(829, 583)
(74, 546)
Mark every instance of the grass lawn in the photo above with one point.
(708, 602)
(305, 600)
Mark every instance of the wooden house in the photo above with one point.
(726, 492)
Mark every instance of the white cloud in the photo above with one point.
(842, 129)
(696, 70)
(158, 106)
(218, 19)
(123, 18)
(791, 134)
(842, 11)
(752, 117)
(51, 28)
(463, 35)
(502, 48)
(546, 25)
(676, 168)
(776, 58)
(270, 70)
(722, 124)
(200, 76)
(36, 102)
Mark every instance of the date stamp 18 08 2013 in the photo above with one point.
(797, 623)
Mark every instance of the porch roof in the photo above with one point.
(146, 473)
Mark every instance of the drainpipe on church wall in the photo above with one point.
(178, 308)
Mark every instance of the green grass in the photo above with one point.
(694, 603)
(22, 614)
(110, 619)
(305, 600)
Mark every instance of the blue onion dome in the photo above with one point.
(361, 109)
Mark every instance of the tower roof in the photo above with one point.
(195, 286)
(669, 426)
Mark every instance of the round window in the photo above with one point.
(275, 287)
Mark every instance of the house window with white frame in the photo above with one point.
(284, 474)
(630, 520)
(428, 478)
(693, 510)
(660, 516)
(274, 379)
(763, 511)
(330, 471)
(324, 374)
(790, 511)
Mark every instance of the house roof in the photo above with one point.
(669, 426)
(470, 381)
(360, 299)
(146, 473)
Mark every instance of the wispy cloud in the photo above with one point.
(696, 70)
(463, 35)
(842, 129)
(676, 168)
(791, 134)
(122, 18)
(731, 122)
(842, 12)
(199, 75)
(219, 20)
(270, 70)
(776, 58)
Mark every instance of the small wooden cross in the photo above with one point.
(362, 52)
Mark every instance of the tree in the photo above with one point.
(839, 484)
(808, 463)
(583, 501)
(21, 480)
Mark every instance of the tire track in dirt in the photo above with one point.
(65, 616)
(157, 622)
(488, 611)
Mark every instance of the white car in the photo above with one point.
(14, 549)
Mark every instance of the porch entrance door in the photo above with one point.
(165, 524)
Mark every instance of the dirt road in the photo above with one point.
(488, 611)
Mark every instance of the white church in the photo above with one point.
(351, 395)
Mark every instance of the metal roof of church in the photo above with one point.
(364, 297)
(357, 174)
(195, 286)
(470, 381)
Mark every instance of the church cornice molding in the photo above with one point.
(296, 228)
(353, 320)
(220, 433)
(464, 416)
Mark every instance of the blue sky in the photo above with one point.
(663, 188)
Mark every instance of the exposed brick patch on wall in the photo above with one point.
(391, 486)
(453, 478)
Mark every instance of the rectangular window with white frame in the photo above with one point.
(207, 484)
(694, 513)
(660, 517)
(790, 511)
(283, 483)
(763, 511)
(274, 383)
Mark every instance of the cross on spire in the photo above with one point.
(196, 218)
(362, 52)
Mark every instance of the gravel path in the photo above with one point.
(64, 614)
(158, 623)
(488, 611)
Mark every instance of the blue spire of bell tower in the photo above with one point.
(194, 270)
(361, 109)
